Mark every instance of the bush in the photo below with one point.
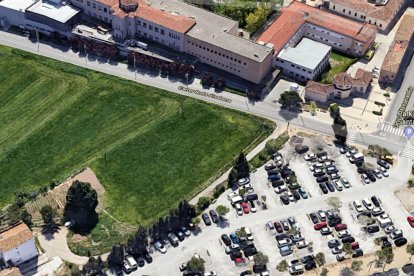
(379, 103)
(218, 190)
(378, 113)
(203, 203)
(272, 146)
(387, 95)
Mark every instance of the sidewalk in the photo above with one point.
(209, 190)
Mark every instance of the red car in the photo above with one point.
(278, 227)
(340, 227)
(319, 225)
(355, 245)
(239, 261)
(410, 220)
(245, 207)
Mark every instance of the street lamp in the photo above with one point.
(186, 77)
(37, 38)
(135, 69)
(86, 59)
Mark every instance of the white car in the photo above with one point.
(396, 234)
(384, 216)
(290, 195)
(281, 189)
(231, 195)
(252, 207)
(158, 245)
(243, 181)
(378, 174)
(238, 209)
(383, 171)
(389, 229)
(309, 157)
(368, 204)
(247, 187)
(343, 234)
(210, 273)
(231, 248)
(377, 211)
(301, 244)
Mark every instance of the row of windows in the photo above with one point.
(215, 52)
(108, 20)
(215, 62)
(362, 16)
(299, 76)
(100, 8)
(326, 40)
(157, 30)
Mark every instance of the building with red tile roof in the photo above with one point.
(17, 245)
(380, 14)
(397, 51)
(300, 20)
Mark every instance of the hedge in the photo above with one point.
(379, 103)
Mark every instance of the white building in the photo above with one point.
(304, 62)
(17, 245)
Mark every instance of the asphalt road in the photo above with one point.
(394, 144)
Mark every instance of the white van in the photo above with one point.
(236, 199)
(356, 157)
(131, 261)
(142, 45)
(368, 204)
(383, 223)
(358, 206)
(282, 243)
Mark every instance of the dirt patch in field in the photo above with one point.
(406, 196)
(78, 238)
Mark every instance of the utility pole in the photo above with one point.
(37, 38)
(135, 68)
(86, 58)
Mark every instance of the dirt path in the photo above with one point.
(56, 246)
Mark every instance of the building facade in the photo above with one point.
(17, 245)
(379, 13)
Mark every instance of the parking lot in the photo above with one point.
(208, 241)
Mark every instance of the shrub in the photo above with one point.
(378, 113)
(203, 203)
(387, 95)
(218, 190)
(379, 103)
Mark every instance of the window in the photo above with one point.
(144, 25)
(105, 9)
(162, 32)
(349, 12)
(156, 29)
(381, 25)
(333, 7)
(138, 23)
(215, 52)
(99, 8)
(88, 3)
(150, 27)
(356, 14)
(343, 10)
(293, 65)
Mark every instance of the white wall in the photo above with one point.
(24, 252)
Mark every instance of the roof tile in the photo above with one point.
(14, 236)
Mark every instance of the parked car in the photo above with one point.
(226, 240)
(323, 187)
(340, 227)
(410, 220)
(396, 234)
(340, 257)
(238, 208)
(285, 225)
(383, 164)
(322, 179)
(343, 234)
(252, 207)
(348, 239)
(245, 207)
(206, 219)
(375, 201)
(310, 157)
(180, 235)
(333, 243)
(126, 267)
(336, 250)
(243, 181)
(303, 193)
(368, 204)
(301, 149)
(285, 199)
(271, 227)
(158, 245)
(358, 253)
(326, 231)
(234, 238)
(345, 182)
(314, 218)
(131, 262)
(372, 229)
(278, 227)
(185, 230)
(330, 187)
(281, 189)
(296, 195)
(321, 215)
(400, 241)
(232, 247)
(173, 239)
(389, 229)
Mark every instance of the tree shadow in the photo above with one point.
(289, 114)
(223, 223)
(49, 231)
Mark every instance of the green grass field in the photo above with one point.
(338, 63)
(160, 148)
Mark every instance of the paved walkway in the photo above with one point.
(56, 246)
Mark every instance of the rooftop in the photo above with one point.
(399, 46)
(301, 53)
(343, 79)
(380, 12)
(362, 77)
(18, 5)
(14, 236)
(214, 29)
(296, 14)
(54, 10)
(319, 88)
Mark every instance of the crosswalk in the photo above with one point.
(352, 133)
(408, 151)
(391, 129)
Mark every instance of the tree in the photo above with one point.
(13, 214)
(290, 100)
(242, 191)
(346, 271)
(196, 265)
(334, 110)
(81, 201)
(137, 245)
(222, 210)
(340, 129)
(26, 218)
(196, 221)
(263, 197)
(385, 255)
(242, 166)
(241, 232)
(203, 203)
(313, 107)
(410, 183)
(282, 266)
(334, 202)
(356, 265)
(260, 259)
(116, 257)
(186, 212)
(93, 267)
(347, 248)
(410, 250)
(48, 216)
(324, 272)
(320, 259)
